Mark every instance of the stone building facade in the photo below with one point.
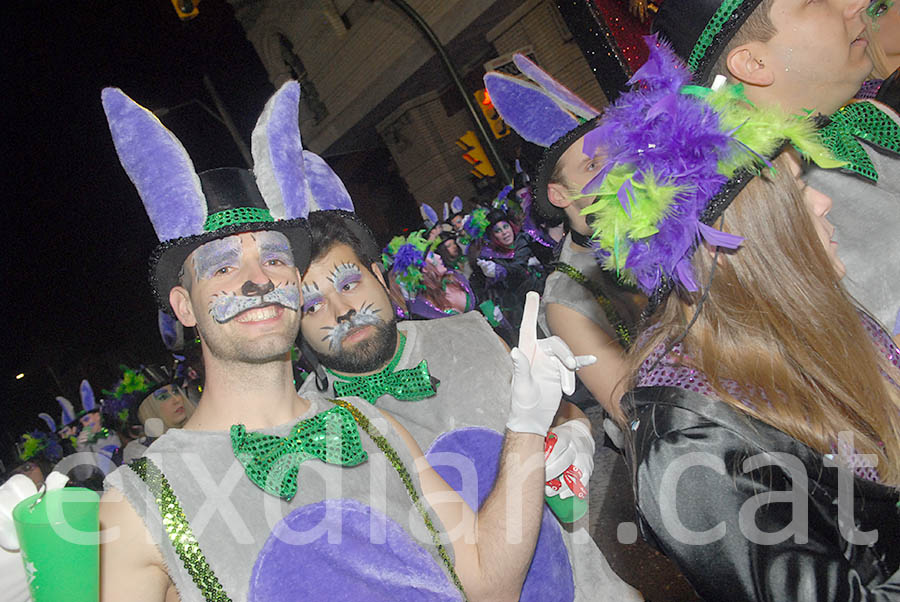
(372, 82)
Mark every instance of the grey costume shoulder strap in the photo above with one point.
(179, 530)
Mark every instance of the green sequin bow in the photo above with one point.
(860, 120)
(409, 384)
(271, 461)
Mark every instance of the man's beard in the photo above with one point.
(365, 356)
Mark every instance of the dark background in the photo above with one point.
(77, 302)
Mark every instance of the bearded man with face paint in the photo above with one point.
(434, 375)
(810, 57)
(268, 495)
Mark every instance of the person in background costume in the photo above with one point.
(269, 463)
(884, 48)
(811, 57)
(751, 436)
(430, 289)
(582, 304)
(506, 267)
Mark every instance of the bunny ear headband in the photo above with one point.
(544, 112)
(189, 209)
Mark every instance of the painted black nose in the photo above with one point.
(347, 316)
(251, 289)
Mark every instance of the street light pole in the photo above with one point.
(454, 74)
(226, 120)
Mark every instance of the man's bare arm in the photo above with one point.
(493, 549)
(604, 379)
(131, 567)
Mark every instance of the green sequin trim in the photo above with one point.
(409, 384)
(179, 531)
(712, 29)
(397, 463)
(238, 215)
(624, 335)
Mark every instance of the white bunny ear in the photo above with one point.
(528, 109)
(278, 155)
(158, 165)
(558, 92)
(87, 396)
(68, 411)
(446, 212)
(326, 190)
(429, 216)
(456, 205)
(48, 419)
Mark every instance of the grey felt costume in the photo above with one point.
(475, 373)
(474, 369)
(232, 518)
(561, 289)
(866, 217)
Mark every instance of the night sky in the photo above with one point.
(77, 238)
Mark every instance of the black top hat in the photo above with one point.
(699, 30)
(234, 205)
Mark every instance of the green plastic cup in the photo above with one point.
(60, 542)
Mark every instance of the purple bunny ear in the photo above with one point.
(278, 155)
(158, 165)
(528, 109)
(325, 187)
(429, 216)
(558, 92)
(51, 424)
(87, 396)
(456, 205)
(68, 411)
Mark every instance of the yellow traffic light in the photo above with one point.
(498, 126)
(186, 9)
(474, 154)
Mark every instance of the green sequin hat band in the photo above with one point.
(699, 30)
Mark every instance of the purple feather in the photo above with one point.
(158, 165)
(406, 256)
(592, 140)
(625, 195)
(717, 238)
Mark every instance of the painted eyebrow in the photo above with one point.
(342, 272)
(311, 295)
(205, 264)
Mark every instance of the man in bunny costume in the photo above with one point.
(267, 495)
(582, 303)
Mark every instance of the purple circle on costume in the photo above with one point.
(393, 568)
(550, 576)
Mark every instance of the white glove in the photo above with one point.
(13, 491)
(542, 371)
(81, 441)
(534, 261)
(569, 460)
(488, 267)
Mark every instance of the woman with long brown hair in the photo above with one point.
(764, 411)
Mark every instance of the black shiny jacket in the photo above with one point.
(774, 531)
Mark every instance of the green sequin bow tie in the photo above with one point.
(860, 120)
(271, 461)
(410, 384)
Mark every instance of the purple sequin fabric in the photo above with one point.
(869, 89)
(669, 372)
